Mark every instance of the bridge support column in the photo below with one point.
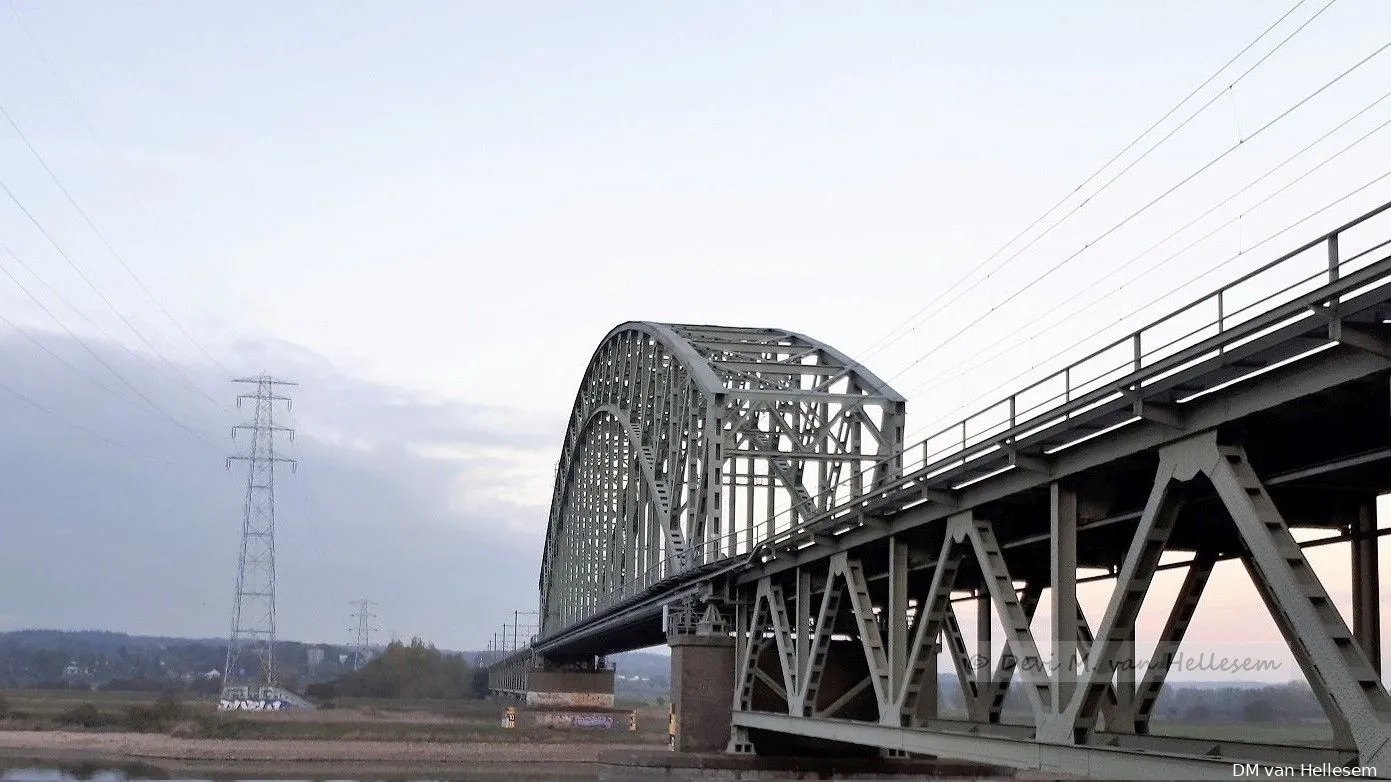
(1366, 583)
(702, 687)
(584, 684)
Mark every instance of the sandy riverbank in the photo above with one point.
(274, 757)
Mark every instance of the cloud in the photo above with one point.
(117, 517)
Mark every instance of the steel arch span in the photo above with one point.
(691, 445)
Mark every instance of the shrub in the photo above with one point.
(168, 707)
(143, 719)
(4, 708)
(85, 715)
(156, 717)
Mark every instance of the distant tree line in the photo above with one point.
(1288, 704)
(405, 670)
(45, 659)
(1280, 703)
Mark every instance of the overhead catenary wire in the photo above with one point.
(1132, 165)
(1126, 220)
(890, 339)
(955, 419)
(981, 359)
(955, 416)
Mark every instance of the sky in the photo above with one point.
(429, 213)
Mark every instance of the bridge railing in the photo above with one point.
(1214, 323)
(1321, 272)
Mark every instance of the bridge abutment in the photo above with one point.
(569, 686)
(702, 689)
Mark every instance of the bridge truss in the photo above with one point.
(688, 445)
(1248, 426)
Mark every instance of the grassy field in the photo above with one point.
(349, 719)
(1312, 734)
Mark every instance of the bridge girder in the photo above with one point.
(690, 444)
(888, 611)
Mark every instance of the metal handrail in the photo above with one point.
(1144, 364)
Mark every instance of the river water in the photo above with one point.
(140, 774)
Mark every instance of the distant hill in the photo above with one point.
(98, 658)
(98, 640)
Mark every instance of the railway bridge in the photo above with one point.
(747, 496)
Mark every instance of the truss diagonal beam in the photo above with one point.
(934, 616)
(992, 696)
(1151, 537)
(1306, 615)
(1019, 638)
(1166, 650)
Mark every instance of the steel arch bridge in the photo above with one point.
(757, 481)
(689, 445)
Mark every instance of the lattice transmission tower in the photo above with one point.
(364, 629)
(251, 648)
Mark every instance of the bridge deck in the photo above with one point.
(1268, 403)
(1177, 374)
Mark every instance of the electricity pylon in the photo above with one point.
(364, 618)
(252, 642)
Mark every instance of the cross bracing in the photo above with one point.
(688, 445)
(1210, 435)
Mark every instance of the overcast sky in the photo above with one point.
(429, 213)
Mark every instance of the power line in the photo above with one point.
(82, 428)
(105, 242)
(83, 275)
(994, 354)
(1209, 271)
(1055, 267)
(55, 293)
(46, 349)
(881, 344)
(93, 353)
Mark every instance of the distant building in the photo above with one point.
(316, 657)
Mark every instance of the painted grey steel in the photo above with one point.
(1095, 762)
(362, 632)
(252, 640)
(843, 563)
(1071, 717)
(688, 445)
(1282, 310)
(1299, 302)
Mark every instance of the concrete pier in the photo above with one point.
(702, 691)
(570, 688)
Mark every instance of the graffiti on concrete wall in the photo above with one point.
(560, 719)
(587, 700)
(228, 704)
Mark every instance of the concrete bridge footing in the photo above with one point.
(702, 690)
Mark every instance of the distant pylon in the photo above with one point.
(364, 628)
(251, 648)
